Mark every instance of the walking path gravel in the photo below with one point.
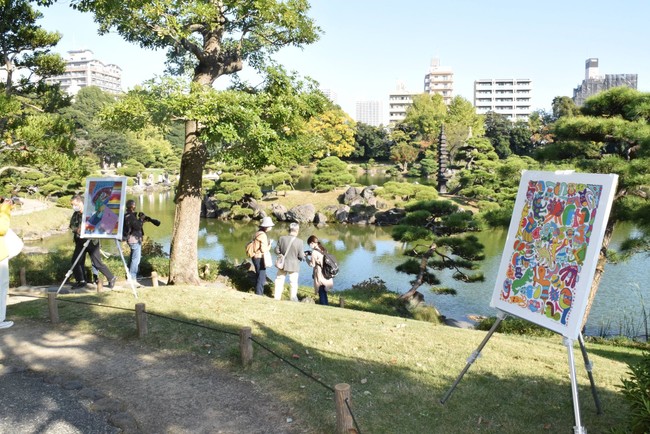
(57, 381)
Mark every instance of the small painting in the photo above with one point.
(552, 248)
(103, 212)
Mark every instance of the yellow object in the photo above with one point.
(5, 213)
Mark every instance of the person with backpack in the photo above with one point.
(317, 259)
(260, 249)
(290, 255)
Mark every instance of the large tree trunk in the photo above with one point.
(600, 269)
(183, 264)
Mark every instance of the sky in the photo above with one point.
(367, 46)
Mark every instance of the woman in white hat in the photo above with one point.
(262, 249)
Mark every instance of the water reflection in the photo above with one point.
(369, 251)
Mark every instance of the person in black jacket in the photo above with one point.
(133, 234)
(93, 248)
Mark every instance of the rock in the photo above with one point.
(350, 195)
(279, 212)
(302, 213)
(388, 218)
(320, 219)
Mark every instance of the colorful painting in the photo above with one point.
(552, 248)
(103, 211)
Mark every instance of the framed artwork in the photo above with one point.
(550, 256)
(103, 213)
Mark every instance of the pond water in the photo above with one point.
(366, 252)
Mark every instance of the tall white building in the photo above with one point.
(370, 112)
(329, 93)
(439, 80)
(509, 97)
(595, 83)
(398, 102)
(82, 70)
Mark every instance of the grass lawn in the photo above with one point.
(398, 369)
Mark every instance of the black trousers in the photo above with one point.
(93, 250)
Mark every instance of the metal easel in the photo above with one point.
(578, 428)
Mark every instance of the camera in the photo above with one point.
(145, 218)
(307, 252)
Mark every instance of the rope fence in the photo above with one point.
(345, 421)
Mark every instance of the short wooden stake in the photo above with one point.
(246, 346)
(141, 320)
(341, 302)
(23, 277)
(100, 285)
(154, 279)
(344, 422)
(51, 304)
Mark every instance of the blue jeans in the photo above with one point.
(322, 295)
(134, 260)
(260, 272)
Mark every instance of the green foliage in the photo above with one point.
(371, 142)
(636, 390)
(372, 295)
(406, 191)
(514, 326)
(331, 173)
(499, 217)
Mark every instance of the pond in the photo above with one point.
(366, 252)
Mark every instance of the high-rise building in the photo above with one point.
(439, 80)
(370, 112)
(82, 70)
(509, 97)
(398, 102)
(330, 94)
(595, 83)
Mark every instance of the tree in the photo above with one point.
(521, 139)
(404, 154)
(437, 235)
(331, 173)
(334, 130)
(425, 116)
(612, 135)
(31, 131)
(461, 122)
(497, 129)
(371, 142)
(207, 40)
(563, 106)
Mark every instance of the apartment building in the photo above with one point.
(511, 98)
(370, 112)
(439, 80)
(83, 69)
(595, 83)
(398, 102)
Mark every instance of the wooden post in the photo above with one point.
(341, 302)
(246, 346)
(154, 279)
(344, 423)
(100, 284)
(141, 320)
(51, 304)
(23, 277)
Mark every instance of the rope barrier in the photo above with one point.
(354, 420)
(302, 371)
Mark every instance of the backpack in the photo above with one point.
(251, 247)
(330, 266)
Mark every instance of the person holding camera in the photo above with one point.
(133, 233)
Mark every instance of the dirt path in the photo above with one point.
(136, 389)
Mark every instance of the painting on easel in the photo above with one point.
(552, 248)
(103, 212)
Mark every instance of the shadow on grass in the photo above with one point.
(386, 397)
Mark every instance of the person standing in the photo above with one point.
(10, 246)
(93, 249)
(321, 284)
(133, 234)
(262, 251)
(291, 247)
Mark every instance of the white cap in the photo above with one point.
(266, 222)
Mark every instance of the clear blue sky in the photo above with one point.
(368, 45)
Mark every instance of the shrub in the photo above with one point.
(331, 172)
(514, 326)
(636, 391)
(497, 217)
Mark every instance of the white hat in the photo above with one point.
(266, 222)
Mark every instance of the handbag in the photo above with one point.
(13, 243)
(279, 261)
(268, 262)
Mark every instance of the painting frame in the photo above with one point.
(104, 205)
(552, 248)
